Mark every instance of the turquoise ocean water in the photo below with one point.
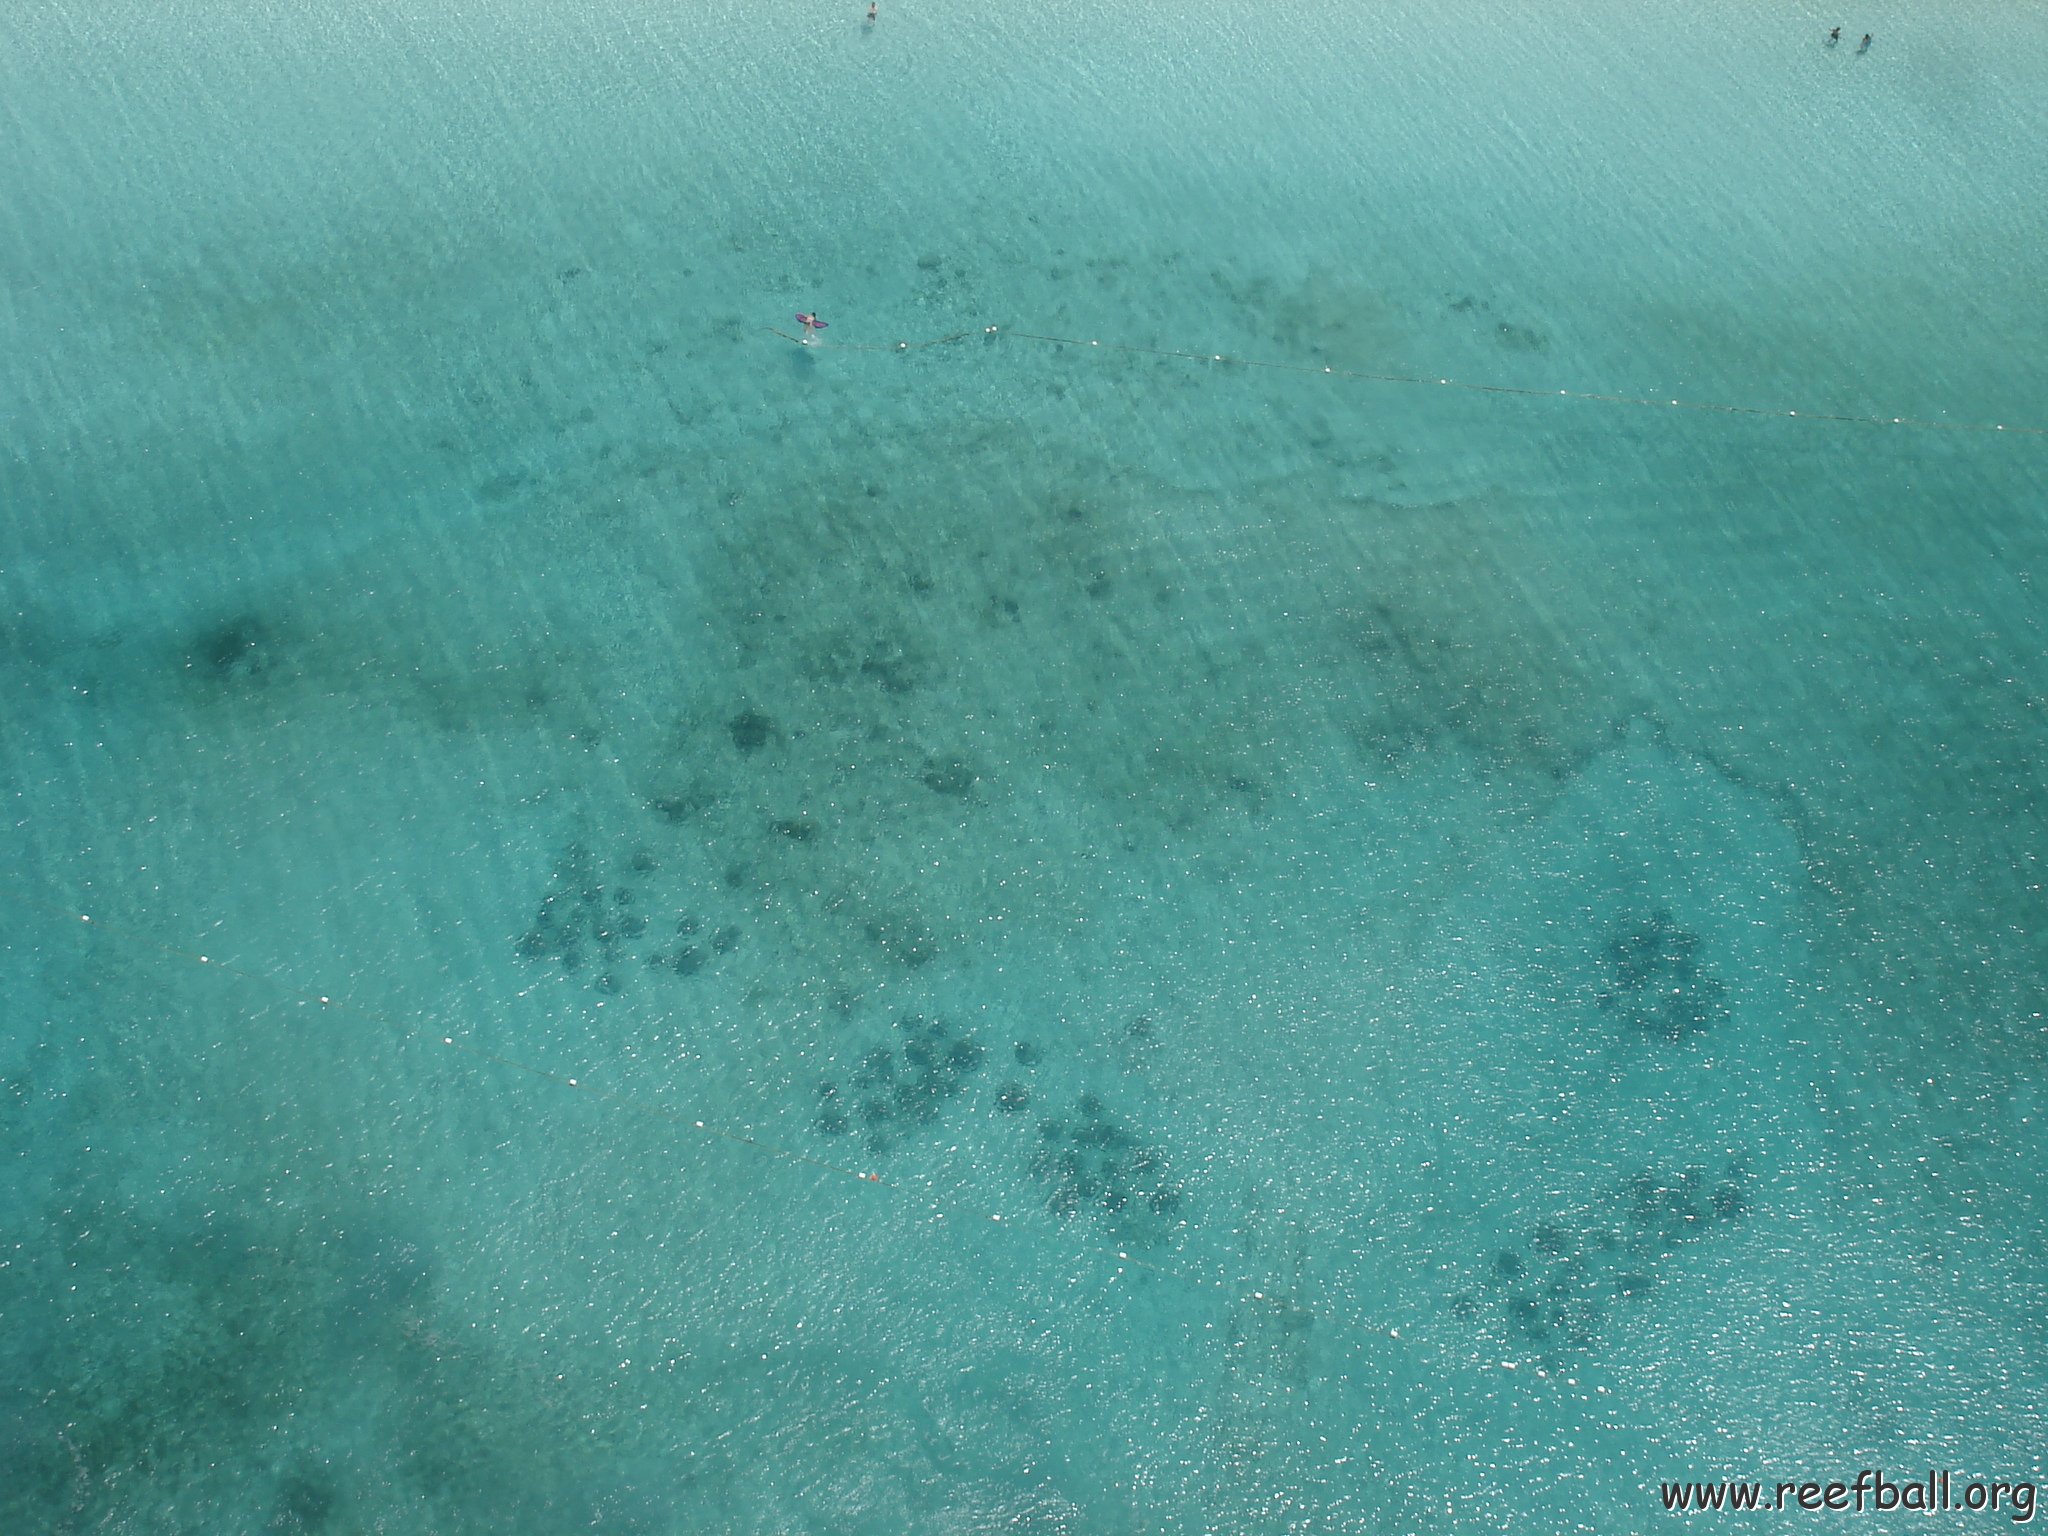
(1486, 951)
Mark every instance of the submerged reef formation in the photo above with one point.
(584, 919)
(1554, 1289)
(1015, 1095)
(590, 920)
(1086, 1162)
(1089, 1161)
(233, 652)
(900, 1084)
(750, 731)
(1655, 983)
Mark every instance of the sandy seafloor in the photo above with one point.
(1548, 895)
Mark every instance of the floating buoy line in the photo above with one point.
(1240, 1290)
(991, 331)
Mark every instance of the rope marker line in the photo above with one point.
(901, 346)
(1402, 378)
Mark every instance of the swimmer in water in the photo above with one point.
(812, 325)
(1864, 46)
(873, 6)
(1834, 37)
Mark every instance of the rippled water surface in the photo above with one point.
(689, 933)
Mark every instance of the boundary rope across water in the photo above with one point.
(1243, 1291)
(1919, 422)
(898, 346)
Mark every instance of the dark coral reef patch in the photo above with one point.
(1556, 1287)
(1089, 1160)
(1655, 983)
(901, 1083)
